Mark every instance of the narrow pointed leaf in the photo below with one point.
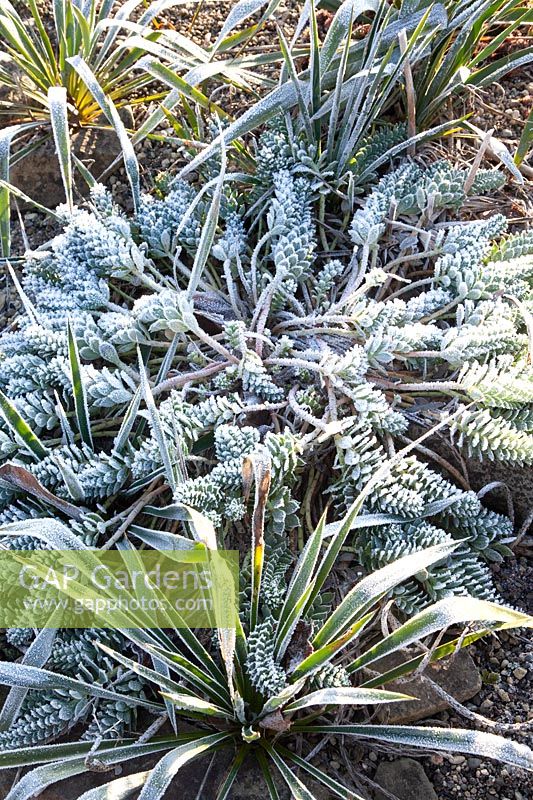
(57, 99)
(450, 611)
(344, 696)
(78, 389)
(162, 774)
(20, 427)
(267, 775)
(454, 740)
(36, 655)
(337, 788)
(238, 13)
(119, 789)
(155, 422)
(42, 679)
(23, 480)
(371, 588)
(209, 228)
(257, 468)
(109, 109)
(233, 772)
(340, 24)
(185, 702)
(298, 790)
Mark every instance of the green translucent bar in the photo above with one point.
(116, 589)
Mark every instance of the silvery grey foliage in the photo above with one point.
(44, 716)
(267, 676)
(312, 340)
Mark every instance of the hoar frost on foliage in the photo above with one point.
(301, 355)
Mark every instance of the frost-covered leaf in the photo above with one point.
(118, 789)
(161, 775)
(346, 696)
(57, 99)
(449, 611)
(36, 655)
(456, 740)
(20, 427)
(370, 589)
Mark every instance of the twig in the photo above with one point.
(153, 728)
(189, 377)
(477, 161)
(500, 727)
(523, 530)
(442, 461)
(135, 510)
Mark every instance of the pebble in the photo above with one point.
(519, 673)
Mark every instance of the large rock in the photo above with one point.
(458, 676)
(405, 779)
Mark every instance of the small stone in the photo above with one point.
(474, 763)
(405, 779)
(506, 134)
(519, 673)
(503, 695)
(334, 765)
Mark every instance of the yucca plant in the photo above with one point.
(294, 656)
(466, 52)
(111, 41)
(344, 79)
(416, 51)
(38, 57)
(49, 90)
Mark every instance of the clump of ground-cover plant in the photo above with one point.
(249, 329)
(294, 320)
